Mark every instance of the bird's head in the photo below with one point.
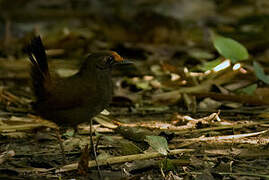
(103, 61)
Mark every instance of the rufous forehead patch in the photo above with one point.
(117, 57)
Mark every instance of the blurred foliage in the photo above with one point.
(179, 69)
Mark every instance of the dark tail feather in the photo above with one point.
(39, 70)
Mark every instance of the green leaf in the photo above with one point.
(69, 133)
(249, 89)
(167, 165)
(143, 85)
(229, 48)
(158, 143)
(259, 72)
(209, 65)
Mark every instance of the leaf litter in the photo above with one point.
(183, 113)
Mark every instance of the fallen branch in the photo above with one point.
(219, 138)
(237, 126)
(122, 159)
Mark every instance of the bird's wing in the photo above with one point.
(65, 95)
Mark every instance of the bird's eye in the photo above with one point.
(110, 60)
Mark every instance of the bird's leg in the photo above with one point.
(61, 144)
(93, 151)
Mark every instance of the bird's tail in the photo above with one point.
(39, 70)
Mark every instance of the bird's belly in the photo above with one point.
(89, 106)
(69, 117)
(105, 95)
(75, 115)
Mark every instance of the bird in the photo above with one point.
(76, 99)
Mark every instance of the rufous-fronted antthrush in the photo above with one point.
(75, 99)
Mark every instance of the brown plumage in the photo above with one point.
(74, 99)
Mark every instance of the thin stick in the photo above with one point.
(220, 138)
(218, 128)
(122, 159)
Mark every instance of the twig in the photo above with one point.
(26, 124)
(219, 138)
(122, 159)
(237, 126)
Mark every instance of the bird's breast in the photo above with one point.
(105, 90)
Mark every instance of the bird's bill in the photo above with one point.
(124, 62)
